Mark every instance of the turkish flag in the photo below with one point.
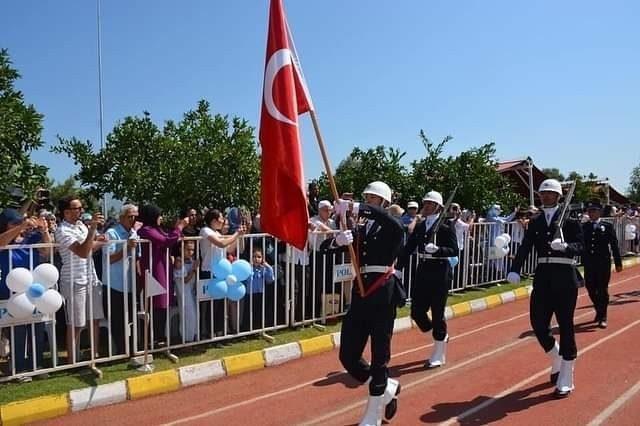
(283, 202)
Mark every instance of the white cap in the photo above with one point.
(324, 203)
(380, 189)
(433, 196)
(550, 185)
(412, 205)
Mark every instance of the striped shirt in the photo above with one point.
(74, 268)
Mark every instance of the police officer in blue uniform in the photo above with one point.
(433, 276)
(378, 241)
(555, 285)
(600, 242)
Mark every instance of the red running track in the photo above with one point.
(496, 373)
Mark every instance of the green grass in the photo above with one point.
(62, 382)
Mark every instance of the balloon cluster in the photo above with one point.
(630, 232)
(33, 290)
(228, 279)
(500, 246)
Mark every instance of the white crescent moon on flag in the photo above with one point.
(280, 58)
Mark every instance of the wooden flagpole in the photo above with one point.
(334, 192)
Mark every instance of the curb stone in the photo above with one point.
(45, 407)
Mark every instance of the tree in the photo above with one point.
(20, 133)
(634, 184)
(71, 186)
(362, 167)
(554, 173)
(203, 160)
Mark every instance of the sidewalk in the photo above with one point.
(169, 380)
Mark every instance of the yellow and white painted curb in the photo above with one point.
(17, 413)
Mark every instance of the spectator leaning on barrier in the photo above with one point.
(322, 225)
(461, 227)
(185, 268)
(155, 258)
(116, 275)
(14, 229)
(79, 282)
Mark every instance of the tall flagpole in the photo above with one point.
(100, 107)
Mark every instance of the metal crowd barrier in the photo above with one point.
(308, 288)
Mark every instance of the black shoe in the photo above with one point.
(554, 378)
(392, 407)
(602, 324)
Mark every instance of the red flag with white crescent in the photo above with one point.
(283, 203)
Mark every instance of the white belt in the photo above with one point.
(374, 268)
(561, 260)
(427, 256)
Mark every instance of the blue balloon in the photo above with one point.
(241, 269)
(453, 261)
(217, 290)
(221, 268)
(236, 292)
(35, 290)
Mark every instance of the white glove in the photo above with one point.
(558, 245)
(344, 238)
(431, 248)
(513, 277)
(341, 207)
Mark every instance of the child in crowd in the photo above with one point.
(262, 274)
(184, 277)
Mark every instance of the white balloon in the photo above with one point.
(19, 280)
(231, 279)
(629, 236)
(505, 251)
(49, 303)
(46, 274)
(500, 242)
(507, 237)
(20, 307)
(630, 227)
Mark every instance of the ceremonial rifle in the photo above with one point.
(564, 214)
(443, 215)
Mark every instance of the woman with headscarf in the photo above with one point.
(155, 258)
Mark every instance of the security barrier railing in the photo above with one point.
(303, 287)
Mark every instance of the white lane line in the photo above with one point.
(311, 382)
(528, 380)
(615, 405)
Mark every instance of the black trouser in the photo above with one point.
(364, 320)
(118, 320)
(597, 273)
(554, 292)
(430, 291)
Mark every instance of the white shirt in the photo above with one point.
(316, 238)
(208, 251)
(549, 212)
(461, 233)
(74, 268)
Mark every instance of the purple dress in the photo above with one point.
(161, 242)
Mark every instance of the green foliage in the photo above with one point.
(20, 133)
(362, 167)
(634, 184)
(202, 160)
(475, 169)
(554, 173)
(71, 186)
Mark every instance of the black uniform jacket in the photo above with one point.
(432, 269)
(380, 246)
(597, 242)
(540, 235)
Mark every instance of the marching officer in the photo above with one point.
(378, 241)
(555, 285)
(600, 241)
(434, 274)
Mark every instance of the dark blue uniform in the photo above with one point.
(600, 242)
(433, 276)
(555, 285)
(377, 242)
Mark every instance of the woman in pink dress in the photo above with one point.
(155, 257)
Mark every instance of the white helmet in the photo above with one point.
(380, 189)
(434, 196)
(551, 185)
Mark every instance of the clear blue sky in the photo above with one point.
(555, 80)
